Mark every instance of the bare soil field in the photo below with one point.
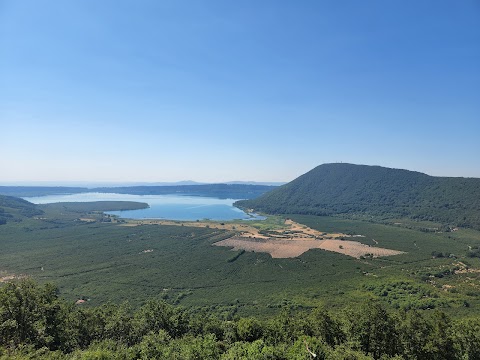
(277, 248)
(4, 277)
(292, 241)
(281, 248)
(244, 229)
(356, 249)
(294, 226)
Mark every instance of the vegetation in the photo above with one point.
(36, 323)
(375, 193)
(13, 209)
(130, 281)
(93, 256)
(236, 256)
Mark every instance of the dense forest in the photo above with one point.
(360, 191)
(35, 323)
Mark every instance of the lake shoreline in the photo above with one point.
(178, 207)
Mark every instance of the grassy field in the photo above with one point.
(105, 260)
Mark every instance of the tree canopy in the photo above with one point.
(36, 323)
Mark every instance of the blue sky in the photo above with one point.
(236, 90)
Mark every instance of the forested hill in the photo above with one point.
(348, 189)
(12, 208)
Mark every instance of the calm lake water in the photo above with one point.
(172, 207)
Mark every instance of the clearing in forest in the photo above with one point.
(292, 240)
(296, 239)
(282, 248)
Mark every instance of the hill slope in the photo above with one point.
(13, 209)
(376, 191)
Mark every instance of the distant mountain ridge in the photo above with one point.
(223, 191)
(348, 189)
(232, 191)
(93, 185)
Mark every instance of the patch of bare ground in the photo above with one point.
(244, 229)
(5, 277)
(291, 241)
(281, 248)
(309, 232)
(356, 249)
(467, 271)
(277, 248)
(296, 239)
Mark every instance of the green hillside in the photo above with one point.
(14, 209)
(378, 192)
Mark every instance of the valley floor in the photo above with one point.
(103, 259)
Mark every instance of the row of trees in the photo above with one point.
(36, 323)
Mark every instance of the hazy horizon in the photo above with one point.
(215, 91)
(92, 184)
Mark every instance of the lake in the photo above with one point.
(171, 207)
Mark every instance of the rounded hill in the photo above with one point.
(375, 191)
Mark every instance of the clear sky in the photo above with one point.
(236, 90)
